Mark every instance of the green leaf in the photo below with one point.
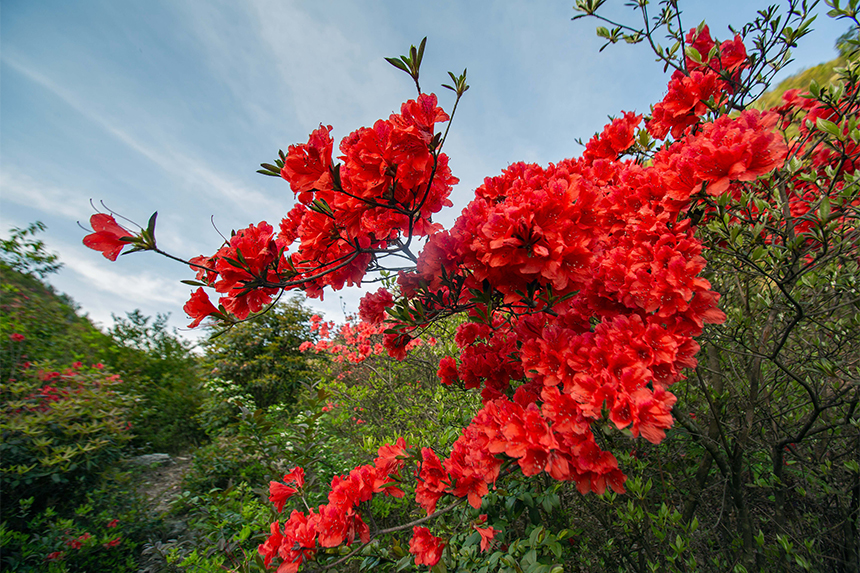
(824, 209)
(420, 53)
(828, 126)
(694, 54)
(398, 64)
(150, 227)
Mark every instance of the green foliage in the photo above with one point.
(848, 43)
(380, 399)
(65, 429)
(225, 492)
(228, 460)
(226, 527)
(60, 430)
(24, 254)
(263, 356)
(163, 372)
(222, 405)
(101, 534)
(823, 74)
(259, 446)
(36, 323)
(48, 322)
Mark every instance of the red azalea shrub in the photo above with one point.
(60, 427)
(581, 283)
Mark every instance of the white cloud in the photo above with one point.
(136, 288)
(21, 189)
(179, 165)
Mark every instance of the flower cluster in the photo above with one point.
(703, 88)
(581, 282)
(390, 182)
(355, 343)
(338, 522)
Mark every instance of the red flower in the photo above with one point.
(79, 542)
(113, 542)
(487, 534)
(113, 523)
(270, 547)
(699, 40)
(447, 372)
(55, 556)
(396, 345)
(250, 256)
(616, 137)
(199, 307)
(15, 337)
(107, 236)
(279, 494)
(685, 103)
(432, 481)
(372, 306)
(426, 547)
(307, 163)
(297, 476)
(207, 274)
(737, 149)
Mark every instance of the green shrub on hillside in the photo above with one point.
(262, 357)
(162, 370)
(60, 429)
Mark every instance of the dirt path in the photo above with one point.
(161, 484)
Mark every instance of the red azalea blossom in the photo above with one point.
(297, 476)
(271, 546)
(307, 164)
(685, 103)
(372, 307)
(107, 236)
(581, 283)
(16, 337)
(199, 307)
(487, 534)
(78, 542)
(279, 494)
(426, 547)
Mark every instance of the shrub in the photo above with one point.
(60, 430)
(103, 533)
(162, 370)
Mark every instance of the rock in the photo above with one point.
(151, 460)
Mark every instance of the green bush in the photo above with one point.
(37, 324)
(162, 370)
(60, 429)
(262, 357)
(226, 527)
(101, 534)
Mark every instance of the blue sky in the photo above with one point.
(170, 106)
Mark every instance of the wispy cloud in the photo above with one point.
(24, 190)
(137, 288)
(180, 166)
(293, 66)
